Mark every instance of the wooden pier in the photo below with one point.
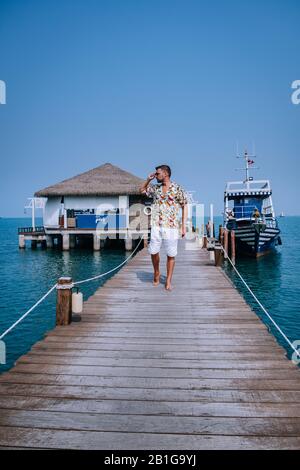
(194, 368)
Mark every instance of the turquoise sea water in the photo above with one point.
(26, 275)
(275, 280)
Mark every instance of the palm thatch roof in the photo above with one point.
(105, 180)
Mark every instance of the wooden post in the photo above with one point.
(218, 255)
(222, 235)
(232, 237)
(204, 241)
(64, 301)
(220, 232)
(225, 242)
(211, 222)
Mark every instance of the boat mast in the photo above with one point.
(247, 169)
(248, 160)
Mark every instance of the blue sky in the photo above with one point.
(139, 83)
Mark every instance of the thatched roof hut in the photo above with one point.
(104, 180)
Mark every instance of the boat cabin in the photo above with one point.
(248, 200)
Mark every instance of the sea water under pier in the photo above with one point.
(194, 368)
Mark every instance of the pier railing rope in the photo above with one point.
(27, 313)
(260, 304)
(61, 287)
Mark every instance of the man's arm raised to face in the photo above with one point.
(146, 183)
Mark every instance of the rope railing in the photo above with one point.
(261, 306)
(75, 283)
(28, 312)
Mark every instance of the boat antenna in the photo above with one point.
(248, 164)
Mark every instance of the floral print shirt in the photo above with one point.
(165, 207)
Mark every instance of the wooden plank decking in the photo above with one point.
(148, 369)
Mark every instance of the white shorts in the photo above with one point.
(168, 235)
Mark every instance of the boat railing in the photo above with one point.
(255, 186)
(35, 230)
(269, 221)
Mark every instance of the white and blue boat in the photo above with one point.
(249, 211)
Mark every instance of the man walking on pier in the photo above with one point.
(168, 197)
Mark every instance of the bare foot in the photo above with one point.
(156, 278)
(168, 285)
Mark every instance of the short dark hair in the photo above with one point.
(165, 168)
